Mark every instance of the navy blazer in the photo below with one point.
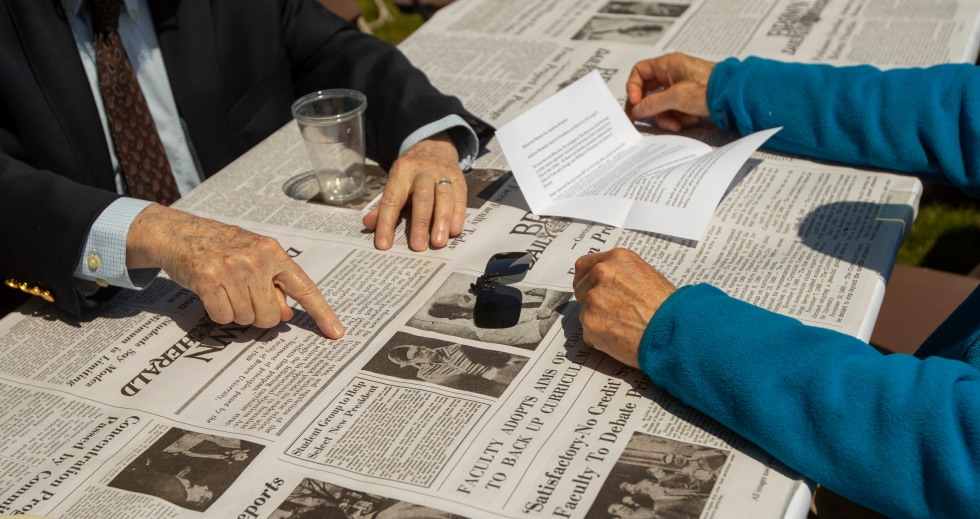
(235, 67)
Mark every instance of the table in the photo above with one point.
(285, 420)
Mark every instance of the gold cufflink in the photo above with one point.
(32, 290)
(93, 261)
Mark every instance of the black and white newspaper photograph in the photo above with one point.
(453, 311)
(313, 499)
(452, 365)
(659, 477)
(189, 469)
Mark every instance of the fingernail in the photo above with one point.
(338, 330)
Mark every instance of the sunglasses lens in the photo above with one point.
(509, 267)
(497, 308)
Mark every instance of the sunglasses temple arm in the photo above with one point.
(481, 283)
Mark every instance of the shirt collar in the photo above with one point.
(72, 8)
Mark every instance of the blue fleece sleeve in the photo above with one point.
(924, 121)
(893, 432)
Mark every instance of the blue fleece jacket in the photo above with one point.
(897, 433)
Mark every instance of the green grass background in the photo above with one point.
(946, 233)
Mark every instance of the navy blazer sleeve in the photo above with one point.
(45, 219)
(55, 172)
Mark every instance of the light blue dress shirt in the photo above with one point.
(104, 256)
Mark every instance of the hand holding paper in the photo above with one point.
(578, 155)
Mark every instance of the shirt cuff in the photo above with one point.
(463, 136)
(103, 260)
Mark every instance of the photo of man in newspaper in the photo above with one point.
(627, 29)
(450, 311)
(658, 477)
(313, 499)
(481, 184)
(447, 364)
(645, 8)
(189, 469)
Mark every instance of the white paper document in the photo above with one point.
(577, 154)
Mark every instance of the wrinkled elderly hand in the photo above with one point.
(438, 210)
(240, 276)
(618, 293)
(683, 100)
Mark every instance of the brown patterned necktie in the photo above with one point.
(139, 150)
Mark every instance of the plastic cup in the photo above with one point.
(332, 125)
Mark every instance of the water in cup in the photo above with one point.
(332, 125)
(338, 186)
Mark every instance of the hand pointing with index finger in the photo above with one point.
(240, 276)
